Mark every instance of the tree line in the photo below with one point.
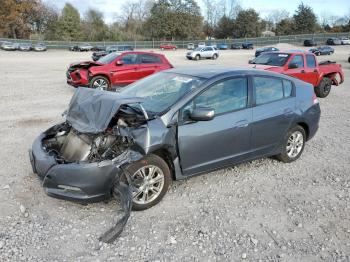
(159, 20)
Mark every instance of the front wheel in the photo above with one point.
(215, 56)
(150, 178)
(293, 145)
(197, 57)
(324, 88)
(100, 83)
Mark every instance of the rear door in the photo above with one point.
(273, 112)
(206, 145)
(127, 72)
(148, 64)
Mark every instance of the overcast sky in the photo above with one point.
(111, 8)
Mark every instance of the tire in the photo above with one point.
(324, 88)
(98, 83)
(162, 49)
(174, 49)
(140, 171)
(349, 59)
(293, 145)
(197, 57)
(215, 56)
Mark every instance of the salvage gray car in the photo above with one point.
(172, 125)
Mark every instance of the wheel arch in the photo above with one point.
(101, 74)
(167, 157)
(305, 126)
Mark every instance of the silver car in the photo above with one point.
(203, 52)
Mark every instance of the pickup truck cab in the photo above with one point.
(304, 66)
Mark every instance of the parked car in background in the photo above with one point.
(310, 42)
(260, 51)
(190, 46)
(333, 41)
(116, 69)
(207, 52)
(322, 50)
(224, 116)
(168, 46)
(109, 49)
(211, 43)
(302, 65)
(247, 45)
(98, 48)
(222, 46)
(40, 47)
(201, 44)
(345, 41)
(83, 47)
(235, 46)
(349, 59)
(25, 47)
(9, 46)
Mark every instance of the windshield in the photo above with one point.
(274, 59)
(109, 58)
(162, 90)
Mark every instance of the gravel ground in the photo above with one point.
(263, 210)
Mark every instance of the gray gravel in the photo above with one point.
(258, 211)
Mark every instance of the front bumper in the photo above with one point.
(79, 182)
(77, 78)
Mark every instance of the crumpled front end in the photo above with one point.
(79, 168)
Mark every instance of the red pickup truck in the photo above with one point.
(302, 65)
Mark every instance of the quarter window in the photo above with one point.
(310, 61)
(288, 88)
(298, 60)
(267, 89)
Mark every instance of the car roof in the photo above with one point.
(210, 71)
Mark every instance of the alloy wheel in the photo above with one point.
(100, 84)
(148, 182)
(295, 144)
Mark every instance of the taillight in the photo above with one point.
(314, 99)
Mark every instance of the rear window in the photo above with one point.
(149, 59)
(267, 89)
(310, 61)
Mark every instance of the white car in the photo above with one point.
(345, 41)
(203, 52)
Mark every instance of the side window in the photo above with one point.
(130, 59)
(288, 88)
(208, 49)
(267, 89)
(310, 61)
(298, 60)
(150, 59)
(225, 96)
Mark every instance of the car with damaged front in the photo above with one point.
(169, 126)
(116, 69)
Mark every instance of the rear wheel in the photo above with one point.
(293, 145)
(324, 88)
(150, 178)
(100, 83)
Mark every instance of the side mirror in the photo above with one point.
(202, 114)
(119, 63)
(292, 66)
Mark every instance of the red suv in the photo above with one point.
(116, 69)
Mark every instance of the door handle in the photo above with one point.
(315, 71)
(241, 123)
(302, 71)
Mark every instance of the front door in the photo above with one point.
(207, 145)
(127, 72)
(299, 72)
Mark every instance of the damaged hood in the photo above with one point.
(85, 64)
(90, 110)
